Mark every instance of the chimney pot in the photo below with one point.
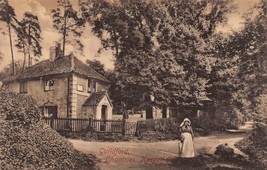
(55, 51)
(52, 53)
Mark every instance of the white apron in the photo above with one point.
(187, 147)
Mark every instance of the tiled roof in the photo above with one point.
(94, 99)
(60, 65)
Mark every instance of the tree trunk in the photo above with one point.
(24, 60)
(149, 112)
(64, 33)
(29, 47)
(164, 112)
(11, 49)
(116, 43)
(29, 58)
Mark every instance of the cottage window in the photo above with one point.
(49, 85)
(91, 85)
(23, 87)
(80, 88)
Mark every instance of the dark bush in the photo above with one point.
(27, 143)
(201, 132)
(212, 161)
(224, 151)
(256, 144)
(219, 120)
(111, 137)
(18, 109)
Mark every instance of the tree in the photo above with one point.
(21, 45)
(8, 16)
(185, 51)
(124, 37)
(8, 70)
(1, 56)
(97, 66)
(237, 80)
(158, 50)
(251, 47)
(29, 37)
(68, 23)
(224, 83)
(114, 91)
(204, 15)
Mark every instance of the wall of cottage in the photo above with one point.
(89, 112)
(36, 89)
(79, 93)
(72, 96)
(58, 96)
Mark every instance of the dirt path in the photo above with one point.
(156, 155)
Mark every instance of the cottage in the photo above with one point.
(64, 86)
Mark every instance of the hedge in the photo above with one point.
(27, 143)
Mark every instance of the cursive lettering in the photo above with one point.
(114, 151)
(120, 159)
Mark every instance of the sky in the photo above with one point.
(42, 9)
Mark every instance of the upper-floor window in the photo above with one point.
(23, 87)
(91, 85)
(80, 87)
(49, 85)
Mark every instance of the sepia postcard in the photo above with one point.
(133, 84)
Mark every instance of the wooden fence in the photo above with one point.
(66, 124)
(99, 126)
(108, 126)
(155, 124)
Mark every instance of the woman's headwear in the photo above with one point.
(185, 119)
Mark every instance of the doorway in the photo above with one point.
(50, 111)
(103, 118)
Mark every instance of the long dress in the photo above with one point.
(187, 149)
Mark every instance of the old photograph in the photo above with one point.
(133, 84)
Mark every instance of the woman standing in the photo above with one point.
(187, 148)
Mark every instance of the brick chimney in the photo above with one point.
(55, 51)
(52, 51)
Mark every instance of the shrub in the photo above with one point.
(207, 123)
(256, 144)
(224, 151)
(220, 119)
(105, 137)
(235, 119)
(18, 109)
(31, 144)
(212, 161)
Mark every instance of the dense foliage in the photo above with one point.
(224, 158)
(29, 37)
(157, 53)
(168, 53)
(27, 143)
(256, 144)
(165, 50)
(97, 66)
(69, 24)
(7, 71)
(8, 16)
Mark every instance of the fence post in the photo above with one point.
(52, 123)
(124, 127)
(90, 123)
